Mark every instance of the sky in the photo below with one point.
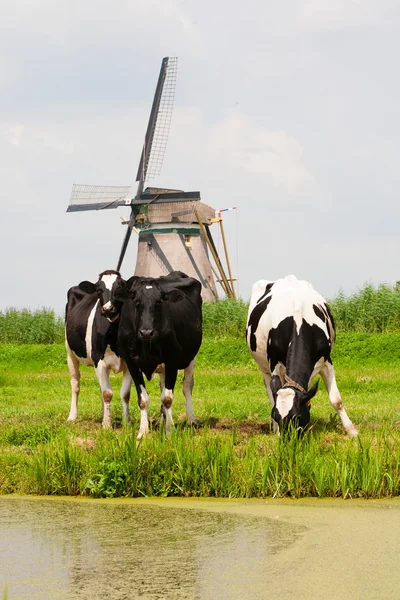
(288, 110)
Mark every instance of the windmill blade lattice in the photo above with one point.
(97, 197)
(159, 122)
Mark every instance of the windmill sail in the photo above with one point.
(97, 197)
(157, 132)
(156, 137)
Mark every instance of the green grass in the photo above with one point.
(231, 454)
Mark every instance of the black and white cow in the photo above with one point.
(91, 338)
(160, 329)
(290, 333)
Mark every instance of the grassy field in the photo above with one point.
(231, 454)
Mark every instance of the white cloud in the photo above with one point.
(244, 146)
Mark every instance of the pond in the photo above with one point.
(198, 549)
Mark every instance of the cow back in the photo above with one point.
(278, 310)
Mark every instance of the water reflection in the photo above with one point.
(87, 550)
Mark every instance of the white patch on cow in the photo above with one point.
(109, 280)
(284, 401)
(112, 361)
(149, 287)
(298, 318)
(317, 368)
(103, 376)
(144, 418)
(75, 378)
(328, 375)
(107, 305)
(167, 397)
(89, 337)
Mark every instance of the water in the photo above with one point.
(188, 549)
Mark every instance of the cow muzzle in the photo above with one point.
(146, 334)
(109, 311)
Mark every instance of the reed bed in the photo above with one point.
(41, 326)
(214, 465)
(370, 310)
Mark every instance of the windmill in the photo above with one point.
(173, 226)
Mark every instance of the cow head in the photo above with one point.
(146, 300)
(107, 282)
(291, 403)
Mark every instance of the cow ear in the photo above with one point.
(130, 283)
(275, 384)
(173, 296)
(310, 394)
(87, 287)
(121, 291)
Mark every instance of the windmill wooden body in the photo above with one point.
(172, 225)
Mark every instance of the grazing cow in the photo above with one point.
(91, 338)
(290, 333)
(160, 329)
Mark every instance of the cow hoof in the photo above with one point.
(352, 431)
(73, 418)
(142, 434)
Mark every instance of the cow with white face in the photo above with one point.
(290, 333)
(91, 338)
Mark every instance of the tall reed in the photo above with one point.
(30, 327)
(370, 310)
(189, 464)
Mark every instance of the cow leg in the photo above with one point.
(328, 376)
(188, 382)
(103, 376)
(161, 372)
(167, 396)
(143, 401)
(126, 393)
(267, 382)
(75, 378)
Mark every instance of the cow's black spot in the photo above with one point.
(256, 315)
(267, 291)
(278, 342)
(320, 313)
